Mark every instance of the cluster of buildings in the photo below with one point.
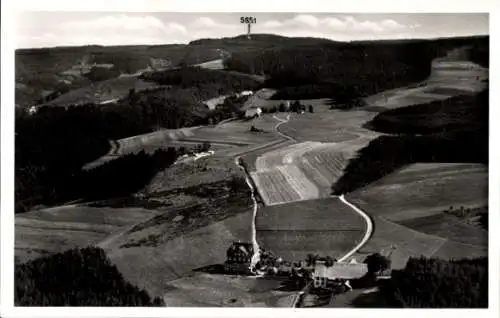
(323, 275)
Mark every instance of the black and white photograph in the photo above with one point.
(250, 159)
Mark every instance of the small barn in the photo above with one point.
(339, 273)
(253, 112)
(239, 257)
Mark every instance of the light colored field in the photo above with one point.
(293, 230)
(154, 140)
(213, 102)
(420, 192)
(235, 133)
(323, 166)
(450, 227)
(54, 230)
(406, 242)
(212, 65)
(325, 125)
(425, 189)
(261, 98)
(273, 187)
(300, 171)
(102, 91)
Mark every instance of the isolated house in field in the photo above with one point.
(245, 93)
(239, 258)
(339, 273)
(253, 112)
(32, 110)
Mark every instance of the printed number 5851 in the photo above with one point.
(248, 20)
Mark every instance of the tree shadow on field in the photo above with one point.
(212, 269)
(219, 269)
(290, 285)
(371, 300)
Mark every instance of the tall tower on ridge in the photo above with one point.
(249, 26)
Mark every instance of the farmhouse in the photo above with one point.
(33, 110)
(239, 258)
(338, 273)
(253, 112)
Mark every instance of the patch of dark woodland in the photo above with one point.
(457, 113)
(452, 131)
(438, 283)
(77, 277)
(347, 71)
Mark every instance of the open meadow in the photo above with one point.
(237, 132)
(326, 227)
(52, 230)
(421, 190)
(226, 139)
(414, 199)
(219, 290)
(103, 91)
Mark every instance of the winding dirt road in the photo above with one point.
(255, 258)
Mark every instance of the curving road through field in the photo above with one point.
(256, 248)
(255, 258)
(369, 228)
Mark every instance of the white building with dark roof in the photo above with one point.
(253, 112)
(339, 272)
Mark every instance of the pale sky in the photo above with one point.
(48, 29)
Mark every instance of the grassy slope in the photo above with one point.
(172, 246)
(423, 191)
(54, 230)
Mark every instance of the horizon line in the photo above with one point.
(244, 35)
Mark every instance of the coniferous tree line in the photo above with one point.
(77, 277)
(98, 74)
(425, 133)
(460, 112)
(53, 145)
(56, 142)
(198, 77)
(123, 62)
(438, 283)
(230, 108)
(346, 71)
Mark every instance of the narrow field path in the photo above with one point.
(369, 228)
(366, 237)
(282, 121)
(256, 248)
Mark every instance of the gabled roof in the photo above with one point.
(245, 248)
(340, 270)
